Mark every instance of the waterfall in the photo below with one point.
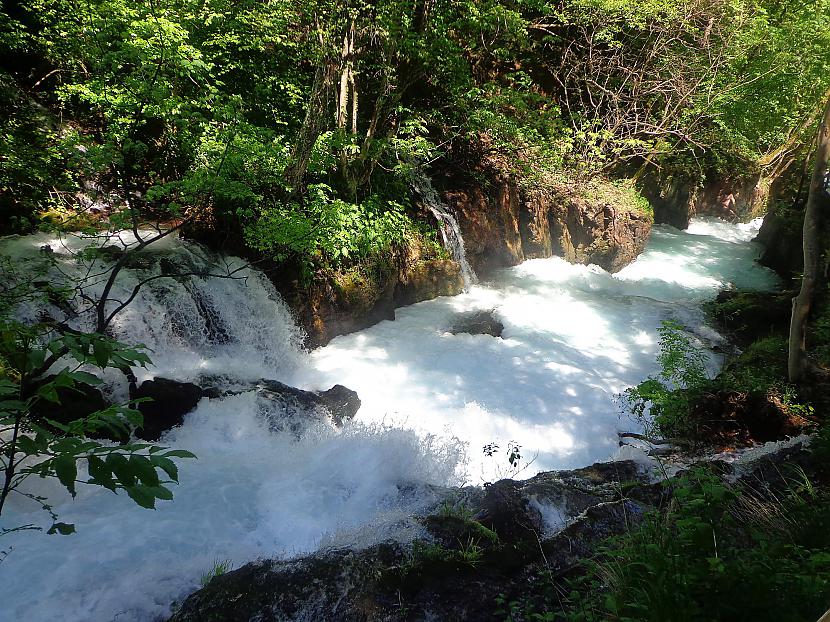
(237, 327)
(450, 231)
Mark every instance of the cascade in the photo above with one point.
(450, 231)
(574, 337)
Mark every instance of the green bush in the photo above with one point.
(662, 403)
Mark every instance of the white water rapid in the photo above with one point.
(450, 231)
(574, 337)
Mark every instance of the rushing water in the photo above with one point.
(450, 231)
(575, 336)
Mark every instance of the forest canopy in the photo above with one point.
(301, 124)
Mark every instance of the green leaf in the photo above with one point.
(178, 453)
(67, 471)
(121, 469)
(161, 492)
(144, 470)
(167, 465)
(100, 473)
(101, 352)
(85, 378)
(63, 529)
(142, 495)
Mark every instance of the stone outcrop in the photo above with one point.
(340, 303)
(168, 401)
(477, 323)
(287, 408)
(507, 225)
(481, 543)
(670, 198)
(780, 235)
(435, 578)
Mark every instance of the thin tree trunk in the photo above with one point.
(813, 217)
(313, 124)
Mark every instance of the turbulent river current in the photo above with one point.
(574, 337)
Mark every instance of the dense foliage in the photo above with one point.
(301, 124)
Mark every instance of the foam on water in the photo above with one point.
(250, 494)
(575, 336)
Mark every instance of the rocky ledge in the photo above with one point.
(506, 224)
(477, 544)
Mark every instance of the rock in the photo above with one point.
(334, 586)
(478, 323)
(73, 404)
(298, 408)
(510, 513)
(432, 579)
(507, 225)
(671, 199)
(589, 232)
(749, 316)
(428, 279)
(780, 235)
(170, 401)
(341, 402)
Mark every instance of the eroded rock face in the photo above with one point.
(435, 579)
(297, 408)
(425, 280)
(507, 225)
(339, 304)
(781, 238)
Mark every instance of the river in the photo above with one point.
(574, 337)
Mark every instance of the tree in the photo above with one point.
(818, 202)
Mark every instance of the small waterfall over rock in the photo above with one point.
(195, 325)
(450, 231)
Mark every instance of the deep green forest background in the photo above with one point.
(300, 125)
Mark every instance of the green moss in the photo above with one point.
(762, 366)
(620, 193)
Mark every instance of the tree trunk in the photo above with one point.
(313, 124)
(813, 218)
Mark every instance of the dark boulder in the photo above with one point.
(170, 401)
(341, 402)
(749, 316)
(509, 512)
(780, 235)
(297, 408)
(478, 323)
(74, 403)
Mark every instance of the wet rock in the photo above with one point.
(341, 402)
(425, 280)
(478, 323)
(505, 224)
(73, 403)
(671, 199)
(297, 408)
(749, 316)
(508, 512)
(452, 575)
(170, 401)
(594, 231)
